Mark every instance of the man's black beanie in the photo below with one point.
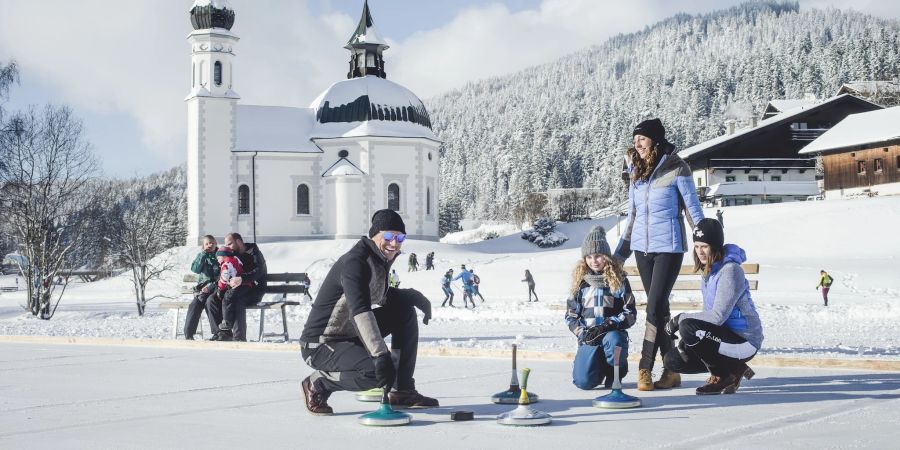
(386, 219)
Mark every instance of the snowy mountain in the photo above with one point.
(567, 123)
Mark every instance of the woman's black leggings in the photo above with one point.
(658, 274)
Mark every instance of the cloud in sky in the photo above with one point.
(132, 60)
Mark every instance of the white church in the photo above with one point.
(277, 173)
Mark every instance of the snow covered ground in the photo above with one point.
(852, 239)
(122, 397)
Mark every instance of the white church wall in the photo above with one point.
(216, 201)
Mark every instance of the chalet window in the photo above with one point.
(302, 199)
(243, 199)
(879, 165)
(776, 178)
(860, 167)
(217, 73)
(753, 178)
(898, 162)
(699, 182)
(729, 179)
(393, 197)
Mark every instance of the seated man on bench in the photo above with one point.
(343, 339)
(231, 314)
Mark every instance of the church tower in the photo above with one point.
(211, 104)
(366, 47)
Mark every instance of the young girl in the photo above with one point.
(728, 332)
(600, 309)
(445, 286)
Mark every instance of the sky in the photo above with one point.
(124, 67)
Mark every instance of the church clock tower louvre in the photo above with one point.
(211, 104)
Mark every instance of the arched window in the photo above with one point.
(393, 197)
(428, 200)
(243, 199)
(303, 199)
(217, 73)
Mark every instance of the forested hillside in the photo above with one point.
(567, 123)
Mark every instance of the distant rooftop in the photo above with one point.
(866, 128)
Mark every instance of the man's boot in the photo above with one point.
(316, 402)
(225, 333)
(411, 398)
(668, 380)
(645, 380)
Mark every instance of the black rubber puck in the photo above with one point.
(461, 415)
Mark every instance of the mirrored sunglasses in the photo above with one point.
(388, 236)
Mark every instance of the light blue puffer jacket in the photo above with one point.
(655, 222)
(726, 298)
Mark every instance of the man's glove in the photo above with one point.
(672, 325)
(385, 372)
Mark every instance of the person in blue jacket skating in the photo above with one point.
(468, 289)
(660, 191)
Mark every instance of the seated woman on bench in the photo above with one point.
(727, 334)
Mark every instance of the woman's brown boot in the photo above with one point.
(668, 380)
(645, 381)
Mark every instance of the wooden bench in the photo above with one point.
(8, 288)
(86, 276)
(277, 283)
(692, 283)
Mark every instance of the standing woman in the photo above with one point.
(661, 189)
(727, 333)
(530, 280)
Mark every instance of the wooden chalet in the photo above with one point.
(762, 163)
(861, 155)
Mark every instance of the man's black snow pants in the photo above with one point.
(347, 365)
(658, 274)
(707, 347)
(233, 308)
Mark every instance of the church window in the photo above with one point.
(243, 199)
(302, 199)
(217, 73)
(428, 199)
(393, 197)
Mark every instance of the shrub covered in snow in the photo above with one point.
(544, 234)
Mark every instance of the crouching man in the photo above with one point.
(343, 339)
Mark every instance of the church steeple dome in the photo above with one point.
(366, 47)
(207, 14)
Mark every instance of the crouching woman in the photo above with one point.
(727, 333)
(600, 309)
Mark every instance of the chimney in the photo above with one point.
(754, 121)
(729, 127)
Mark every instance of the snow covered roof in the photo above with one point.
(870, 87)
(342, 167)
(859, 129)
(783, 105)
(763, 188)
(218, 4)
(365, 32)
(779, 119)
(274, 129)
(370, 106)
